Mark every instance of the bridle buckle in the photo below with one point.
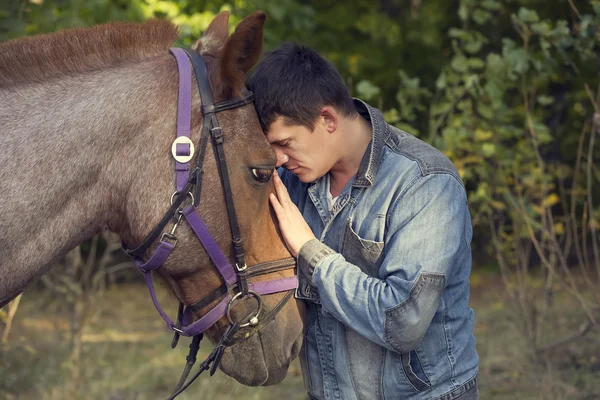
(169, 236)
(176, 329)
(184, 157)
(217, 134)
(240, 269)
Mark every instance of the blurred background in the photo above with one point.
(509, 90)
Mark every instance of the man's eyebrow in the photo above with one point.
(278, 140)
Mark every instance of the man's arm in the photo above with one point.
(425, 244)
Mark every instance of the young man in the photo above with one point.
(379, 224)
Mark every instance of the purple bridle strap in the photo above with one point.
(184, 110)
(199, 326)
(221, 262)
(275, 285)
(219, 311)
(148, 279)
(211, 247)
(164, 249)
(157, 259)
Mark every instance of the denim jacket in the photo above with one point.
(388, 316)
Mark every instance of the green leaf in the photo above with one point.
(492, 5)
(367, 90)
(528, 16)
(441, 83)
(472, 84)
(544, 100)
(276, 11)
(481, 17)
(463, 12)
(488, 149)
(482, 136)
(495, 64)
(542, 28)
(476, 63)
(485, 111)
(407, 128)
(458, 33)
(561, 29)
(473, 46)
(587, 26)
(391, 115)
(460, 64)
(518, 60)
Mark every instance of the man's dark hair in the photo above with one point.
(295, 82)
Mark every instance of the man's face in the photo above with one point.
(307, 154)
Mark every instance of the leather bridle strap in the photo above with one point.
(233, 277)
(263, 322)
(190, 184)
(139, 251)
(264, 268)
(211, 124)
(227, 339)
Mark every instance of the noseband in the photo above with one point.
(236, 284)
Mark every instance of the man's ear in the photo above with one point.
(329, 118)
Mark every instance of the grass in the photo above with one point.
(127, 354)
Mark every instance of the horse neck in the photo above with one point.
(73, 152)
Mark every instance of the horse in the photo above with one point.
(87, 121)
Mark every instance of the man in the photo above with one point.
(379, 224)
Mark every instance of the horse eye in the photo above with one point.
(262, 175)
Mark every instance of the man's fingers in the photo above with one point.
(276, 205)
(282, 193)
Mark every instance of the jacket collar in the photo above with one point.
(369, 164)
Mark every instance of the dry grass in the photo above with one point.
(126, 354)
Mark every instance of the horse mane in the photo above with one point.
(80, 50)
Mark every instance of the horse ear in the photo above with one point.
(215, 36)
(242, 50)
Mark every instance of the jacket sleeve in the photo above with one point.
(424, 243)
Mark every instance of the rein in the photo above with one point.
(188, 186)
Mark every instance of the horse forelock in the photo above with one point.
(80, 50)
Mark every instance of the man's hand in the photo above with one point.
(294, 228)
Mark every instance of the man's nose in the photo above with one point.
(282, 158)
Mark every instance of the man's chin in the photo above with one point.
(306, 176)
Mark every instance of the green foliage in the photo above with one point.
(499, 86)
(506, 89)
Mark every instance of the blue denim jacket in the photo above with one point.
(390, 317)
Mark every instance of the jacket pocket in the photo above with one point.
(414, 371)
(364, 253)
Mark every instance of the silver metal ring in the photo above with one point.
(175, 193)
(253, 321)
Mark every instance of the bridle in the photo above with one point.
(236, 284)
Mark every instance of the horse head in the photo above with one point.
(101, 105)
(234, 206)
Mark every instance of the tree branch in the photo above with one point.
(583, 330)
